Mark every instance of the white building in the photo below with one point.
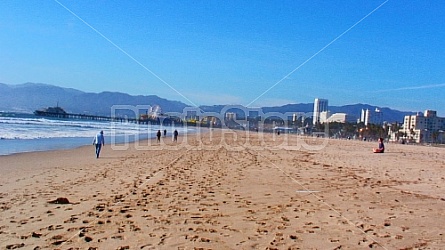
(341, 118)
(427, 127)
(324, 116)
(230, 116)
(363, 116)
(372, 117)
(320, 105)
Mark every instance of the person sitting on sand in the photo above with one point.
(381, 148)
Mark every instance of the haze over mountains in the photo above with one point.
(31, 96)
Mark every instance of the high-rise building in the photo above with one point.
(320, 105)
(371, 117)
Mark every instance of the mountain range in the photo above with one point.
(26, 98)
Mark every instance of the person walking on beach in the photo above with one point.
(158, 135)
(165, 132)
(175, 135)
(99, 141)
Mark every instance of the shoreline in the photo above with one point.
(16, 146)
(188, 197)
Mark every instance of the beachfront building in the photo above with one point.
(320, 105)
(424, 128)
(341, 118)
(324, 116)
(230, 116)
(191, 116)
(372, 117)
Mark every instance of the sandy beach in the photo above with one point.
(226, 190)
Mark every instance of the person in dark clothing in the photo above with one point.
(99, 141)
(381, 148)
(165, 132)
(158, 135)
(175, 135)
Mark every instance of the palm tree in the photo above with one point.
(395, 128)
(434, 136)
(413, 133)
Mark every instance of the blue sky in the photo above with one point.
(232, 52)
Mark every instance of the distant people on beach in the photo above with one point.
(158, 135)
(99, 141)
(165, 132)
(381, 148)
(175, 135)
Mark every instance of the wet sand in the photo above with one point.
(226, 190)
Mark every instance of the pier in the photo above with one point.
(95, 117)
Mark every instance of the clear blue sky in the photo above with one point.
(231, 52)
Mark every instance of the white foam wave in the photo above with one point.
(35, 128)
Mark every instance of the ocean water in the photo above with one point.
(28, 133)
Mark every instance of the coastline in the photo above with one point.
(176, 196)
(15, 146)
(28, 133)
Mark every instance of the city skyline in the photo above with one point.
(385, 53)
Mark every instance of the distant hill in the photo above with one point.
(31, 96)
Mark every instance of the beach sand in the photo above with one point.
(226, 190)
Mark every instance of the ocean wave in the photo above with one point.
(40, 128)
